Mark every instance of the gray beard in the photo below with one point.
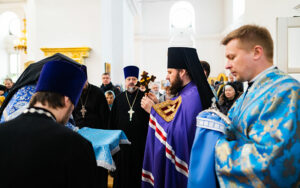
(131, 89)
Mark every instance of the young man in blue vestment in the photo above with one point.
(173, 122)
(261, 147)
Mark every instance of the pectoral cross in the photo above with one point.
(83, 111)
(130, 112)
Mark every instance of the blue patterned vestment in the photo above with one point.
(264, 150)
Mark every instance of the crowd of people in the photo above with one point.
(183, 133)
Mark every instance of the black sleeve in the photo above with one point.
(116, 91)
(81, 165)
(113, 119)
(103, 110)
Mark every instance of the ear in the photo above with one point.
(67, 101)
(182, 72)
(258, 51)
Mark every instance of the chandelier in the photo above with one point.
(21, 43)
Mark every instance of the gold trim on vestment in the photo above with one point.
(167, 110)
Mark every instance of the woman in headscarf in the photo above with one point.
(228, 97)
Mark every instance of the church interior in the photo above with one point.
(107, 35)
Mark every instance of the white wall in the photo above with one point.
(152, 35)
(18, 9)
(260, 12)
(122, 40)
(67, 23)
(275, 8)
(106, 32)
(118, 36)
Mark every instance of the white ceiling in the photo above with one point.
(11, 1)
(154, 1)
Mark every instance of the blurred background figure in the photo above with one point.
(206, 69)
(228, 97)
(8, 84)
(118, 86)
(107, 85)
(110, 97)
(239, 85)
(212, 83)
(155, 90)
(2, 91)
(168, 94)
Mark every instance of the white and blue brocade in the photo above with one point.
(105, 144)
(18, 103)
(211, 124)
(265, 148)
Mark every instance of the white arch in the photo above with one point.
(10, 30)
(10, 21)
(182, 15)
(182, 24)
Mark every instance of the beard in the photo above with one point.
(131, 89)
(176, 86)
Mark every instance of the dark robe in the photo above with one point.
(97, 116)
(129, 160)
(38, 152)
(110, 86)
(97, 110)
(31, 75)
(239, 86)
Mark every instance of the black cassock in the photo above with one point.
(96, 116)
(35, 151)
(129, 160)
(97, 110)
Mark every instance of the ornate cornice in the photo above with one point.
(76, 53)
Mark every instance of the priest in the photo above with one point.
(37, 150)
(92, 111)
(127, 115)
(172, 123)
(92, 108)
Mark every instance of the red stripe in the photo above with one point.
(176, 163)
(148, 177)
(157, 130)
(153, 122)
(167, 150)
(182, 167)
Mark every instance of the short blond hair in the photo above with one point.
(251, 35)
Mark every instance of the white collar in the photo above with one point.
(39, 111)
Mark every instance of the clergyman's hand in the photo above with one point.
(152, 96)
(146, 104)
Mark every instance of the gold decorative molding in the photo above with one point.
(21, 43)
(27, 63)
(222, 77)
(78, 54)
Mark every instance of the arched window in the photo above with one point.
(10, 31)
(182, 24)
(182, 15)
